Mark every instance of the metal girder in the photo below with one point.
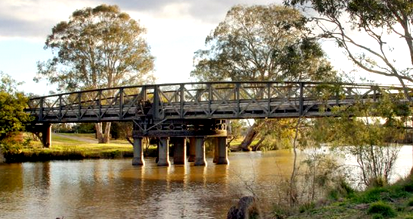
(152, 104)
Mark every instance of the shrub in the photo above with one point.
(377, 216)
(280, 212)
(343, 189)
(381, 208)
(410, 202)
(372, 195)
(306, 207)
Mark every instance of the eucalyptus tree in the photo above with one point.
(386, 27)
(265, 43)
(98, 47)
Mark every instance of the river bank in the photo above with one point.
(392, 201)
(69, 147)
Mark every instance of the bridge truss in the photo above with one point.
(197, 110)
(210, 100)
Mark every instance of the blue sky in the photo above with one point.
(175, 30)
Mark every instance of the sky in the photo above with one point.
(175, 30)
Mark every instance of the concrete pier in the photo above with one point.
(222, 150)
(199, 152)
(216, 152)
(137, 152)
(179, 150)
(163, 154)
(47, 135)
(192, 144)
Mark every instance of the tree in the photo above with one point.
(369, 131)
(262, 43)
(384, 24)
(98, 47)
(12, 104)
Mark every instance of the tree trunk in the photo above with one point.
(257, 146)
(251, 133)
(99, 131)
(293, 180)
(103, 137)
(106, 135)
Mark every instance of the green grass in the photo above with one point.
(381, 210)
(393, 201)
(68, 148)
(238, 141)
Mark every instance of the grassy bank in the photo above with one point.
(394, 201)
(70, 147)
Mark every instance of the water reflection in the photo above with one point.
(116, 189)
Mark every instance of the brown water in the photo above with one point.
(116, 189)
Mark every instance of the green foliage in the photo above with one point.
(98, 47)
(84, 128)
(372, 195)
(10, 147)
(120, 130)
(12, 115)
(389, 201)
(410, 202)
(281, 211)
(277, 133)
(382, 208)
(12, 105)
(322, 176)
(377, 216)
(368, 130)
(306, 207)
(8, 84)
(262, 43)
(267, 43)
(341, 189)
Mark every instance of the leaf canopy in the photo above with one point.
(262, 43)
(98, 47)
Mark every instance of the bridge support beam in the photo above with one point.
(179, 150)
(137, 152)
(46, 138)
(192, 144)
(163, 152)
(200, 152)
(222, 150)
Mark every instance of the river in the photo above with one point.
(116, 189)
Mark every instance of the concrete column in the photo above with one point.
(163, 153)
(199, 152)
(191, 157)
(222, 150)
(47, 135)
(216, 152)
(137, 152)
(180, 150)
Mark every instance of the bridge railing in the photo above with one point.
(220, 100)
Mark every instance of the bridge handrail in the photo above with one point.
(223, 100)
(152, 86)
